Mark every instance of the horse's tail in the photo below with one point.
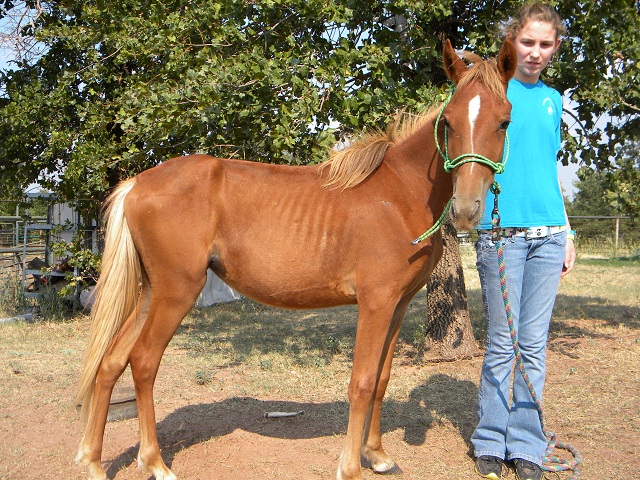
(116, 291)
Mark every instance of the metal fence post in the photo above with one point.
(615, 248)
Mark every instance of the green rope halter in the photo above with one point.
(450, 165)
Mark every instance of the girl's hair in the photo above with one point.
(534, 12)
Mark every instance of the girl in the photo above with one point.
(538, 250)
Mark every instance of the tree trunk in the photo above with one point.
(449, 335)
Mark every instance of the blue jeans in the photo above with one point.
(509, 426)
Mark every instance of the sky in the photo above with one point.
(568, 177)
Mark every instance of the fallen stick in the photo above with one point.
(283, 414)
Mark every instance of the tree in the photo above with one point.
(623, 182)
(597, 70)
(18, 19)
(589, 198)
(449, 334)
(588, 201)
(612, 191)
(121, 86)
(124, 86)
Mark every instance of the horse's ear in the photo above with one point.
(454, 66)
(507, 61)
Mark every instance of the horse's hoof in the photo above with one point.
(168, 475)
(383, 466)
(95, 472)
(94, 468)
(380, 461)
(159, 472)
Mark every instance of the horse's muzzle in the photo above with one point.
(465, 215)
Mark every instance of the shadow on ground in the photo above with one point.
(250, 327)
(442, 399)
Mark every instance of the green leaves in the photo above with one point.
(597, 70)
(623, 187)
(126, 85)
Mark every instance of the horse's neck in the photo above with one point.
(417, 160)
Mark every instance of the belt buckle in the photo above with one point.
(536, 232)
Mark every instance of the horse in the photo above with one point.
(296, 237)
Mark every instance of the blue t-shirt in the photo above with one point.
(530, 191)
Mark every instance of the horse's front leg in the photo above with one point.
(372, 439)
(370, 352)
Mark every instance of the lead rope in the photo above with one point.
(550, 463)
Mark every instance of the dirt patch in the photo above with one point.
(218, 430)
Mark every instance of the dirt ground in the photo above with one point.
(217, 430)
(226, 367)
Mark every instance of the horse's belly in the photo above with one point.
(288, 290)
(286, 276)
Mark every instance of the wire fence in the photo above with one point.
(606, 236)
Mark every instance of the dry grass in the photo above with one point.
(229, 364)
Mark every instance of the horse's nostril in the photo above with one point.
(475, 210)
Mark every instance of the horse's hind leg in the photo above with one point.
(169, 305)
(111, 367)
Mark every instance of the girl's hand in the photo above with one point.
(569, 258)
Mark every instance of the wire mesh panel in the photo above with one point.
(607, 236)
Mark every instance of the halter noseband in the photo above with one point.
(450, 165)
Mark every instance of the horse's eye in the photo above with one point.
(504, 125)
(446, 122)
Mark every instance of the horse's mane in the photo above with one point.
(352, 165)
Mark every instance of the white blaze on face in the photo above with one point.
(474, 110)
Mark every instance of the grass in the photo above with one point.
(12, 298)
(230, 361)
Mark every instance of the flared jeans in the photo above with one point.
(508, 422)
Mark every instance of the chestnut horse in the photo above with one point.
(294, 237)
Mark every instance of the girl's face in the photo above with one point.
(535, 44)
